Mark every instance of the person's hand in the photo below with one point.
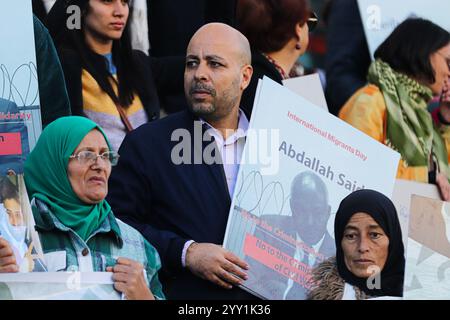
(129, 279)
(444, 102)
(212, 262)
(443, 186)
(7, 258)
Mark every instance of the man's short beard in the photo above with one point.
(201, 108)
(219, 108)
(198, 108)
(208, 114)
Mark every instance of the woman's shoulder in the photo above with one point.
(326, 284)
(369, 92)
(365, 102)
(39, 206)
(263, 67)
(128, 231)
(370, 89)
(137, 247)
(131, 236)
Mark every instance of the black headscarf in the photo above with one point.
(382, 210)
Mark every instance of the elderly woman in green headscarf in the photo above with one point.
(67, 181)
(410, 66)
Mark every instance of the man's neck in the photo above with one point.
(226, 125)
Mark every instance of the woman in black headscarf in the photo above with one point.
(369, 259)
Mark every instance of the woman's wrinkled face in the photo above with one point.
(440, 63)
(106, 19)
(89, 179)
(365, 245)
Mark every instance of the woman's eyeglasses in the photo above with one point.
(312, 21)
(89, 157)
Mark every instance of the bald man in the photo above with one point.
(305, 228)
(175, 177)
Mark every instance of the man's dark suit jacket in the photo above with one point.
(171, 204)
(269, 281)
(347, 58)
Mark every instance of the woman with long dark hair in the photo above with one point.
(107, 81)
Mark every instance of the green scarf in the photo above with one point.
(409, 128)
(46, 175)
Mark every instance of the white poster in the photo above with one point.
(20, 118)
(58, 286)
(380, 17)
(309, 87)
(428, 250)
(298, 164)
(403, 191)
(20, 127)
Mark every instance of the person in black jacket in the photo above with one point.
(54, 100)
(107, 81)
(347, 59)
(39, 9)
(179, 199)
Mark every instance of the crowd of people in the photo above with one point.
(111, 197)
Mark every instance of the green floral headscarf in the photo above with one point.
(409, 128)
(46, 175)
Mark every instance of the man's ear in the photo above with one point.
(246, 76)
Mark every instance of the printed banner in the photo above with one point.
(380, 17)
(299, 162)
(20, 117)
(428, 253)
(58, 286)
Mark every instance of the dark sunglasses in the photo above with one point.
(312, 21)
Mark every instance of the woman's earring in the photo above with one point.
(298, 46)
